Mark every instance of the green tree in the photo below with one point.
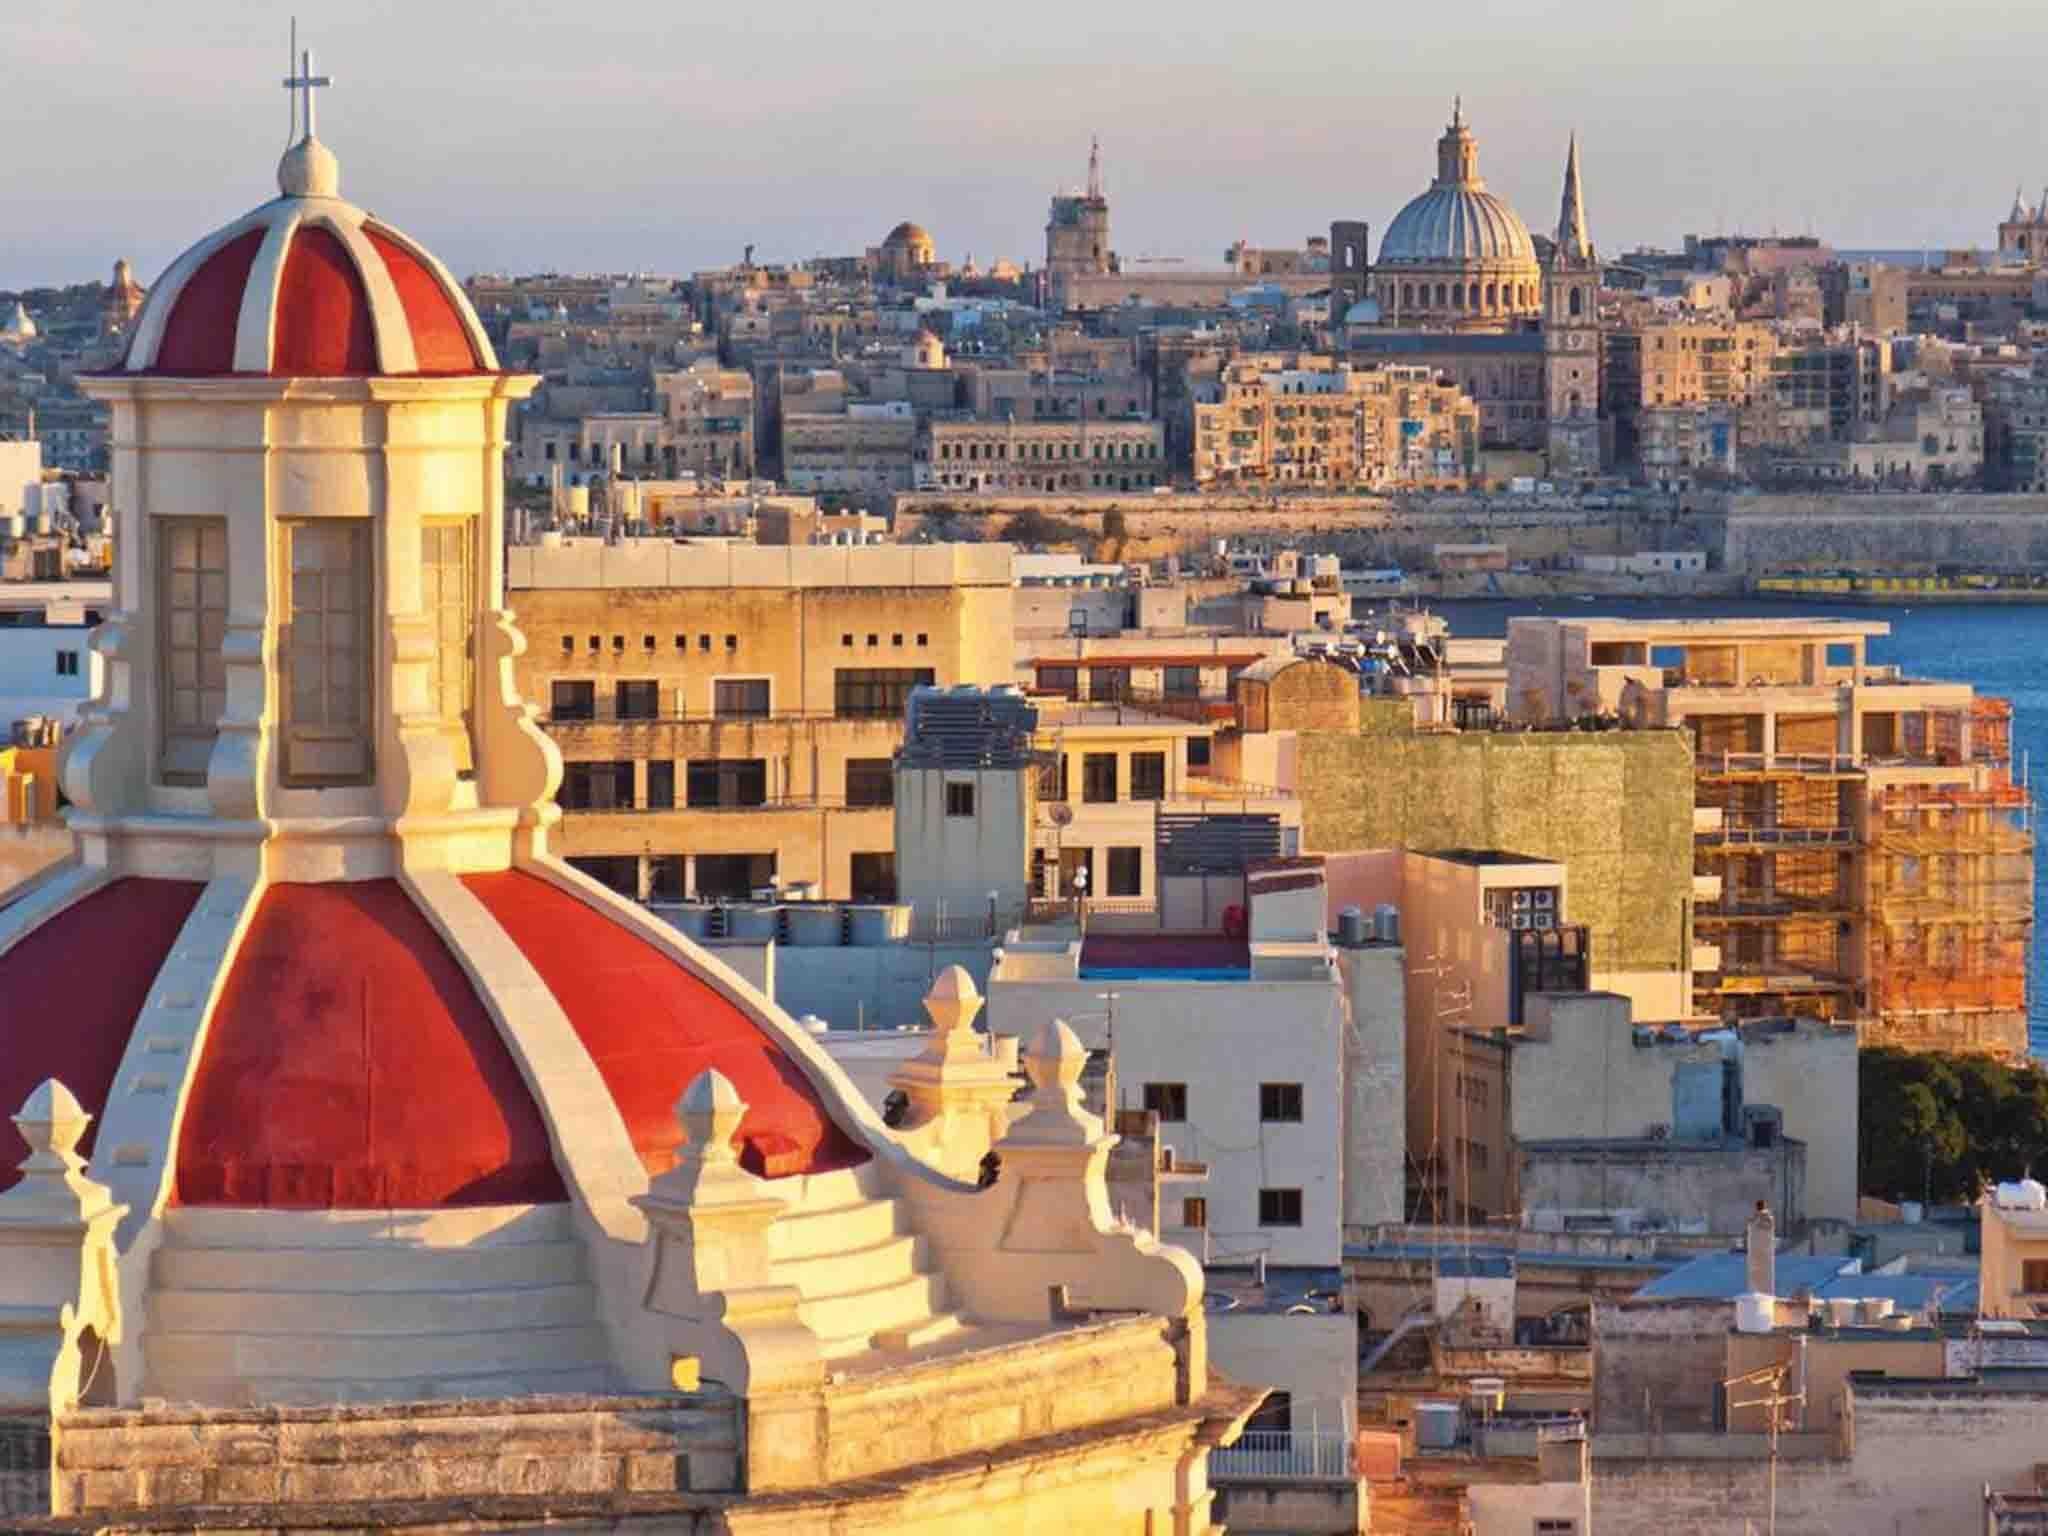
(1940, 1126)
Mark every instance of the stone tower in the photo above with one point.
(1077, 231)
(1571, 336)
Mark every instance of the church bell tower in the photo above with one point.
(1571, 337)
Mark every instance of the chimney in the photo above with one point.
(1762, 1252)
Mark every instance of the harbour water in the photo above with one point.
(1999, 651)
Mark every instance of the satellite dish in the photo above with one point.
(1062, 814)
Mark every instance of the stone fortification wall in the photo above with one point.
(155, 1458)
(1920, 1457)
(1369, 530)
(1761, 533)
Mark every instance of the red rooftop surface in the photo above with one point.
(66, 1010)
(321, 323)
(651, 1026)
(351, 1066)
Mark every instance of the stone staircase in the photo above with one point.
(323, 1307)
(865, 1277)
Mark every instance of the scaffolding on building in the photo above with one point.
(1783, 855)
(1950, 914)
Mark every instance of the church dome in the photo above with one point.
(308, 286)
(908, 233)
(349, 1062)
(1457, 222)
(1454, 225)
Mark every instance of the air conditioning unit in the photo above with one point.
(1522, 900)
(1546, 920)
(1546, 897)
(1521, 921)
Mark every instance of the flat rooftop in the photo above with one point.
(1165, 957)
(1481, 858)
(1718, 631)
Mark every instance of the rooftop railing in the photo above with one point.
(1285, 1455)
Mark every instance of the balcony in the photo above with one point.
(1284, 1456)
(1766, 838)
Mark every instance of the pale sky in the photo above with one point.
(630, 134)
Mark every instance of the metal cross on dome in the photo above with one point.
(305, 82)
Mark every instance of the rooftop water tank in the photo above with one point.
(1754, 1313)
(1351, 929)
(1386, 923)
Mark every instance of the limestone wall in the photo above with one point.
(1922, 1456)
(149, 1458)
(1872, 532)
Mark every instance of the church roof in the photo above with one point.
(309, 286)
(351, 1065)
(1457, 221)
(907, 233)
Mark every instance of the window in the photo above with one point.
(714, 782)
(67, 663)
(2034, 1276)
(1169, 1101)
(876, 693)
(1148, 775)
(1198, 754)
(874, 877)
(1107, 685)
(1098, 777)
(596, 787)
(573, 701)
(1184, 682)
(1557, 1525)
(1194, 1211)
(638, 700)
(1280, 1103)
(326, 684)
(960, 799)
(447, 595)
(661, 785)
(1279, 1207)
(870, 781)
(1064, 681)
(739, 698)
(192, 599)
(1126, 872)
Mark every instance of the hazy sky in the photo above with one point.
(615, 134)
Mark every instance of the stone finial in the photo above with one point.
(52, 1122)
(1054, 1064)
(953, 1001)
(710, 1112)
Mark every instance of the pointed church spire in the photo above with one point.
(1458, 111)
(1094, 169)
(2041, 212)
(2019, 208)
(1574, 243)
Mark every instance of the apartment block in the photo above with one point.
(728, 714)
(708, 416)
(1083, 454)
(1372, 427)
(1860, 849)
(1685, 362)
(865, 447)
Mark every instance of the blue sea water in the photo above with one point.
(2002, 651)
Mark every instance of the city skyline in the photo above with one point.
(818, 131)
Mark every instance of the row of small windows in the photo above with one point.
(1277, 1208)
(704, 643)
(1279, 1103)
(1477, 297)
(1145, 450)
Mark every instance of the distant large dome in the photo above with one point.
(1457, 256)
(1456, 224)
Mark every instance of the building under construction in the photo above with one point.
(1863, 849)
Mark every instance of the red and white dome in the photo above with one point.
(308, 286)
(351, 1064)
